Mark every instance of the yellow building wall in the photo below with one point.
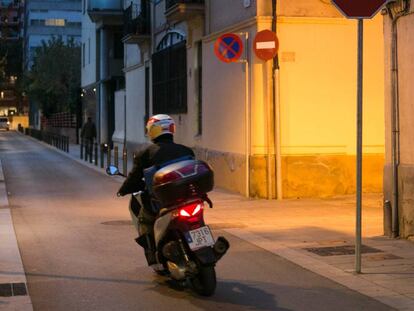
(318, 105)
(317, 96)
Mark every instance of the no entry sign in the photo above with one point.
(359, 8)
(228, 48)
(266, 44)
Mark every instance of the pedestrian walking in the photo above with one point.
(88, 135)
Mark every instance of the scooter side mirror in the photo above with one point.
(112, 170)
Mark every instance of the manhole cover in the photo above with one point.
(117, 223)
(221, 226)
(341, 250)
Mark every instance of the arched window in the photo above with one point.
(169, 75)
(171, 38)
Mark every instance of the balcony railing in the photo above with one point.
(100, 9)
(178, 10)
(137, 22)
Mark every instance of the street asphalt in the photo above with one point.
(78, 249)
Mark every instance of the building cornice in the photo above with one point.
(241, 26)
(267, 21)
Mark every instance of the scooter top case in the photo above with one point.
(179, 181)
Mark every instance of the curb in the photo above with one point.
(14, 294)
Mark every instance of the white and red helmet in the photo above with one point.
(160, 124)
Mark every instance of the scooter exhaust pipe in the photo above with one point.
(220, 247)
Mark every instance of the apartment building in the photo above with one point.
(45, 19)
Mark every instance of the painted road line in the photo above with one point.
(13, 288)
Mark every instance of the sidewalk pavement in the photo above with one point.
(318, 234)
(13, 290)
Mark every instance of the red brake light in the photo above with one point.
(191, 210)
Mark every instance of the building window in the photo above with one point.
(169, 79)
(55, 22)
(37, 22)
(170, 39)
(74, 24)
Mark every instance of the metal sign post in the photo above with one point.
(360, 10)
(229, 48)
(358, 239)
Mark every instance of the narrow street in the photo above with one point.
(79, 253)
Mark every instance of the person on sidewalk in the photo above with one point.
(160, 129)
(88, 135)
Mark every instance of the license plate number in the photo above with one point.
(199, 238)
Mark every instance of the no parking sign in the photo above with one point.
(228, 48)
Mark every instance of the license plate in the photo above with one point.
(199, 238)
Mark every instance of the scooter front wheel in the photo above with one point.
(204, 283)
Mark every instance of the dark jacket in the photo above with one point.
(163, 150)
(88, 130)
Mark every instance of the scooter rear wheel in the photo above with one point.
(205, 282)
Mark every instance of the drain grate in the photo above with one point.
(341, 250)
(117, 223)
(13, 289)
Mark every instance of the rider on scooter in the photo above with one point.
(160, 129)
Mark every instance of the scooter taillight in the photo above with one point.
(191, 212)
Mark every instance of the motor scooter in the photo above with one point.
(185, 247)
